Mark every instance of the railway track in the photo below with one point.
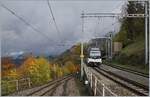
(128, 70)
(135, 87)
(48, 88)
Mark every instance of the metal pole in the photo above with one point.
(149, 28)
(17, 85)
(29, 81)
(106, 49)
(111, 45)
(82, 56)
(146, 38)
(91, 80)
(55, 71)
(82, 60)
(96, 43)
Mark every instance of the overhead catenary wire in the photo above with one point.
(58, 31)
(30, 25)
(25, 22)
(54, 19)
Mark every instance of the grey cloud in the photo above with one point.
(16, 36)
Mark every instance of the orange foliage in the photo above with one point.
(7, 63)
(8, 68)
(28, 64)
(71, 67)
(11, 73)
(77, 68)
(37, 67)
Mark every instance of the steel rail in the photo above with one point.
(129, 84)
(128, 70)
(49, 84)
(54, 87)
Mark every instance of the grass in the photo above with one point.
(134, 48)
(133, 58)
(7, 87)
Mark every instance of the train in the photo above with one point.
(94, 57)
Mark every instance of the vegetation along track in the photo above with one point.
(129, 70)
(49, 87)
(137, 88)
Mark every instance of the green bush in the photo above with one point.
(134, 59)
(7, 87)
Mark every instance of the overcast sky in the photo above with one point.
(16, 36)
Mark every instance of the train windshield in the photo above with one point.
(95, 54)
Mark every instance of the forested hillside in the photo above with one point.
(132, 36)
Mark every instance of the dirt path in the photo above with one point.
(71, 88)
(68, 88)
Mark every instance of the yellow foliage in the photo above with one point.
(40, 70)
(70, 66)
(37, 69)
(28, 67)
(12, 74)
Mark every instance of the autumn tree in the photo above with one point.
(44, 73)
(37, 69)
(8, 68)
(7, 63)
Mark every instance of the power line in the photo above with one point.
(25, 22)
(83, 0)
(56, 26)
(53, 17)
(28, 24)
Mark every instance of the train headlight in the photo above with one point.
(89, 60)
(100, 60)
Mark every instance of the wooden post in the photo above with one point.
(17, 85)
(103, 90)
(6, 86)
(91, 80)
(95, 86)
(29, 82)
